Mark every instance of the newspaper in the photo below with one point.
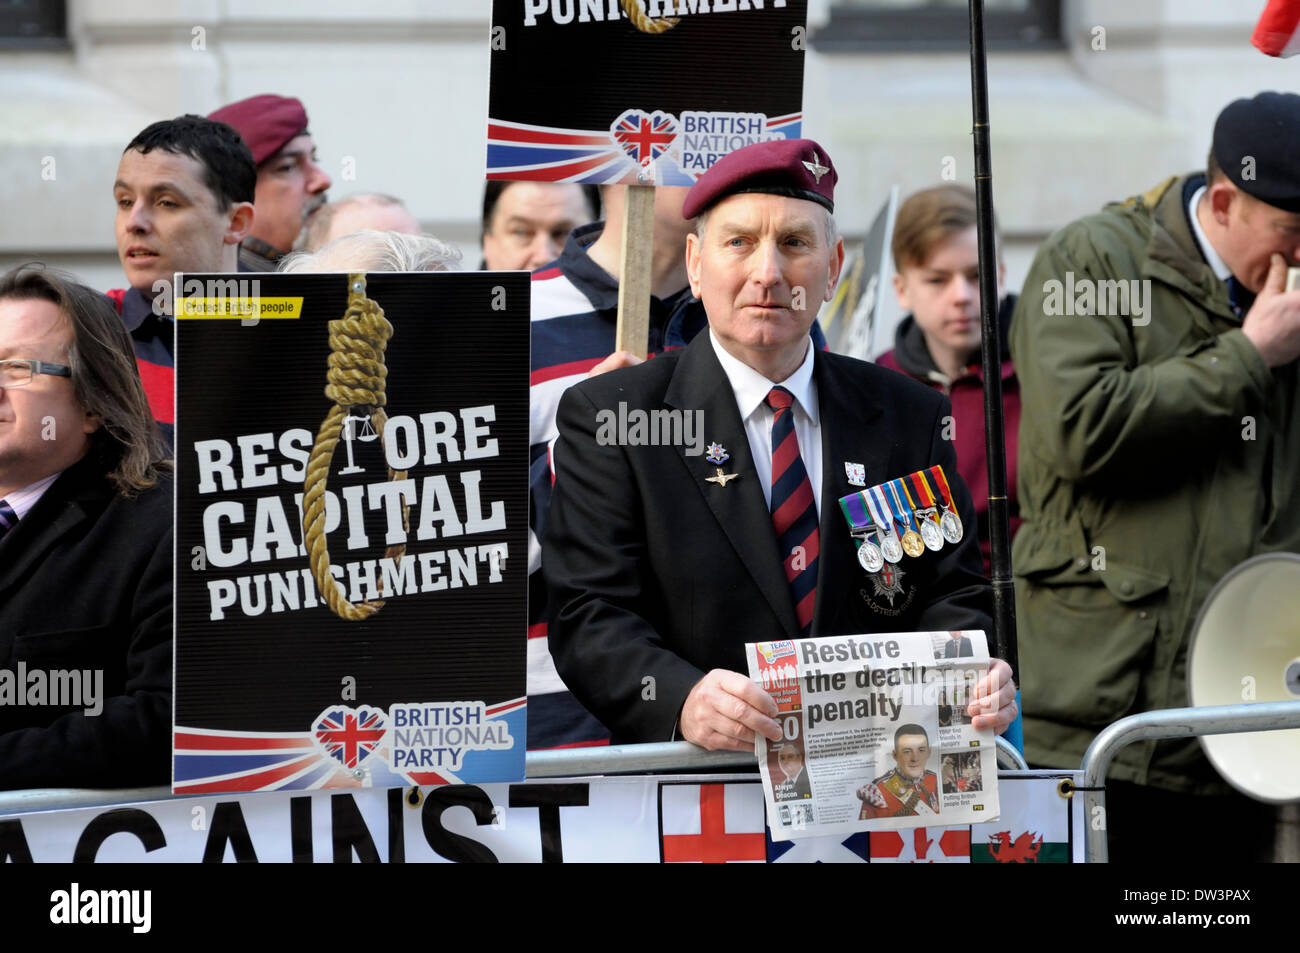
(876, 734)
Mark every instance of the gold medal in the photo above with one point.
(913, 545)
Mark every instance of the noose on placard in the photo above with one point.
(356, 382)
(644, 23)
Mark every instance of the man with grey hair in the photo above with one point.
(367, 210)
(662, 564)
(574, 316)
(369, 250)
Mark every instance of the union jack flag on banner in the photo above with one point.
(644, 138)
(350, 736)
(660, 96)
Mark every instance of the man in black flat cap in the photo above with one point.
(664, 560)
(1159, 446)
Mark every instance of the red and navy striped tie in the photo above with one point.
(794, 509)
(8, 518)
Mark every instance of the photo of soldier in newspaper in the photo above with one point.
(909, 789)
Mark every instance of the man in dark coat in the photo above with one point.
(663, 562)
(85, 547)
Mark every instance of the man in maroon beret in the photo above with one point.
(664, 559)
(290, 185)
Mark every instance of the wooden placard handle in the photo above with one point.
(633, 333)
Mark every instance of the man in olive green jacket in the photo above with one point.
(1160, 436)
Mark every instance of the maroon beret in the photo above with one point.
(266, 123)
(798, 168)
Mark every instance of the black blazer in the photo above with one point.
(86, 583)
(657, 576)
(962, 649)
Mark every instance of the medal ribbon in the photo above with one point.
(854, 508)
(941, 481)
(879, 508)
(915, 520)
(923, 489)
(901, 513)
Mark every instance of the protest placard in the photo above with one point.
(596, 90)
(351, 514)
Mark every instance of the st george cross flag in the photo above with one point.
(1275, 34)
(711, 823)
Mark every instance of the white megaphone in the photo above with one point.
(1245, 647)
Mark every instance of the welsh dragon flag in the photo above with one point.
(1276, 32)
(1033, 826)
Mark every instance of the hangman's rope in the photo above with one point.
(644, 23)
(357, 380)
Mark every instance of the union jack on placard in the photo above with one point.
(350, 736)
(645, 137)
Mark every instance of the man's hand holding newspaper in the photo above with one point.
(864, 732)
(725, 709)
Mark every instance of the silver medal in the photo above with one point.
(891, 548)
(869, 557)
(930, 535)
(950, 524)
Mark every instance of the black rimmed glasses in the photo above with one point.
(20, 373)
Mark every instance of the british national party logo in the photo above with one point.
(349, 736)
(644, 136)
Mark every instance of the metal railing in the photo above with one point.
(565, 762)
(684, 756)
(1169, 723)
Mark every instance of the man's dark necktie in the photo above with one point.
(8, 518)
(794, 509)
(1240, 298)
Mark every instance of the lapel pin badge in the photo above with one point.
(856, 472)
(717, 454)
(721, 478)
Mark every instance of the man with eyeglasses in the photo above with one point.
(85, 546)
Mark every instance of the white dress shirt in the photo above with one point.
(22, 501)
(751, 389)
(1222, 271)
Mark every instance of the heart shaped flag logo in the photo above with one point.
(644, 136)
(349, 735)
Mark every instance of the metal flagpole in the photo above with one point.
(1004, 599)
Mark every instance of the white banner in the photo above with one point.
(687, 818)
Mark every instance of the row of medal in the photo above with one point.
(902, 517)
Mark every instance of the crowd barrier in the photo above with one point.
(676, 756)
(1165, 724)
(679, 757)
